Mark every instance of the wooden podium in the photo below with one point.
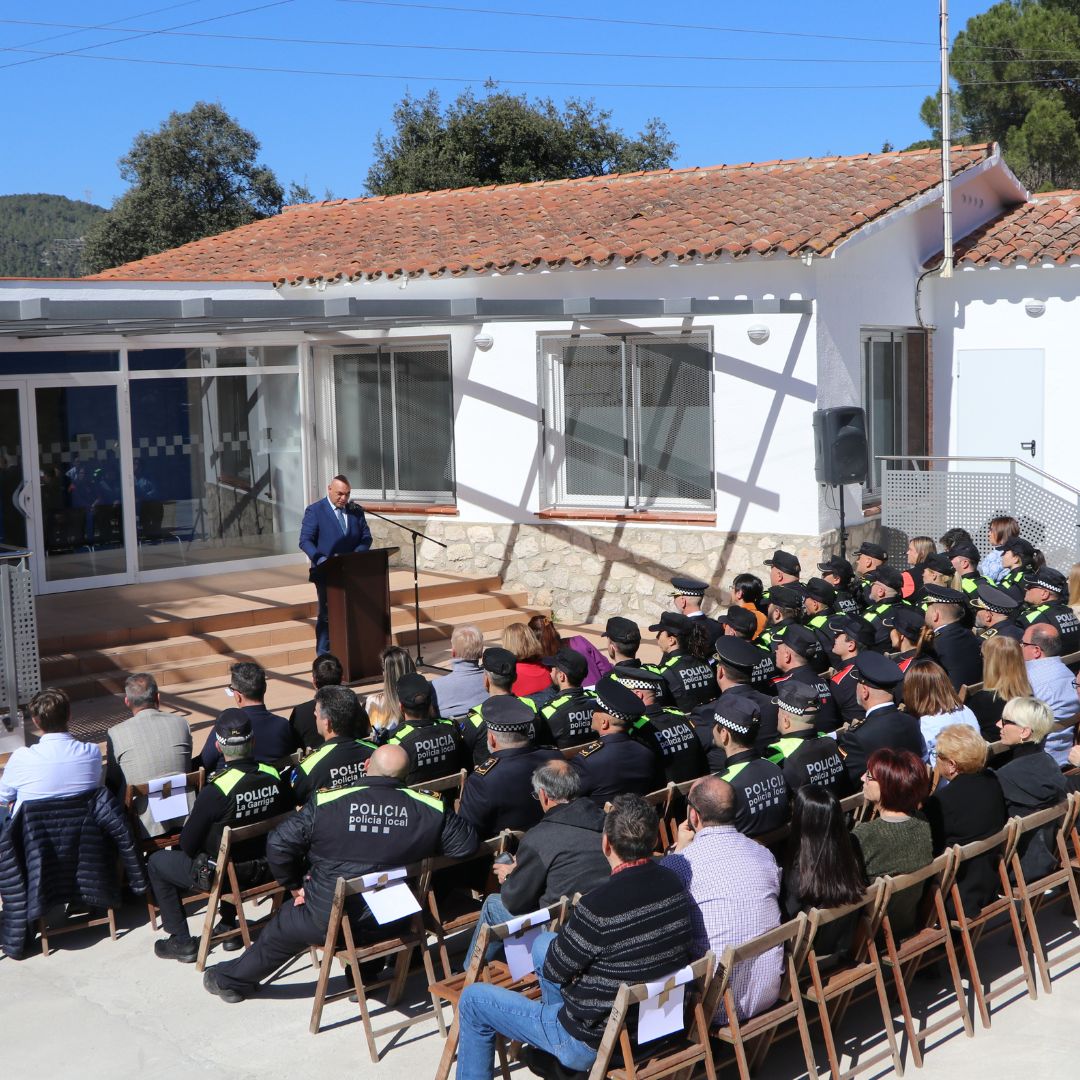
(358, 607)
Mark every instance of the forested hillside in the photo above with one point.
(42, 235)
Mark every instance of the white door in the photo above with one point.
(999, 404)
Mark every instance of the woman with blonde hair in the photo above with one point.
(385, 706)
(1074, 588)
(532, 676)
(919, 549)
(930, 698)
(1004, 677)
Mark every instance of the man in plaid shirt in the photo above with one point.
(734, 885)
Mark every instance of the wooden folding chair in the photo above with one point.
(1034, 895)
(932, 932)
(670, 1055)
(494, 972)
(661, 801)
(834, 979)
(341, 944)
(970, 929)
(70, 925)
(856, 806)
(448, 788)
(793, 937)
(225, 874)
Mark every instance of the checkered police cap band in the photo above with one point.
(740, 727)
(634, 684)
(610, 709)
(796, 710)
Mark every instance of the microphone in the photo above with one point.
(354, 505)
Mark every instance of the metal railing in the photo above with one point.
(20, 662)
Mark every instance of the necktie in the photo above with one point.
(341, 520)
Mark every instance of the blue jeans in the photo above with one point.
(485, 1011)
(493, 912)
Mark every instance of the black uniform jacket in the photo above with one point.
(499, 793)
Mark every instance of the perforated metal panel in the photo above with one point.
(20, 668)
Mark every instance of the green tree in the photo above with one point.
(504, 138)
(196, 176)
(1017, 67)
(42, 235)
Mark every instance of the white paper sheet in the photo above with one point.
(524, 931)
(388, 897)
(167, 798)
(662, 1012)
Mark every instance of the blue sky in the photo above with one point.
(69, 117)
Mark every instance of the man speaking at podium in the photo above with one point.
(331, 527)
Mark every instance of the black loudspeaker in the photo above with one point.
(840, 452)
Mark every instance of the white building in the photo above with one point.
(582, 386)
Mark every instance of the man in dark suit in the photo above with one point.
(331, 527)
(958, 650)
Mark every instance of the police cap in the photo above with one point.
(233, 728)
(617, 700)
(785, 561)
(785, 596)
(673, 623)
(637, 678)
(624, 631)
(859, 630)
(939, 562)
(889, 576)
(906, 620)
(875, 551)
(1052, 580)
(738, 653)
(990, 599)
(1019, 547)
(819, 589)
(939, 594)
(740, 715)
(800, 640)
(688, 586)
(570, 662)
(840, 567)
(414, 691)
(797, 698)
(741, 620)
(878, 671)
(499, 661)
(505, 713)
(964, 549)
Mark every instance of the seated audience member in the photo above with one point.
(761, 798)
(919, 549)
(497, 796)
(823, 868)
(615, 764)
(1000, 531)
(559, 856)
(396, 663)
(455, 694)
(840, 574)
(326, 670)
(531, 678)
(381, 714)
(1032, 779)
(1004, 677)
(434, 745)
(995, 615)
(150, 745)
(500, 671)
(342, 756)
(957, 649)
(906, 626)
(687, 597)
(737, 667)
(747, 592)
(568, 715)
(273, 736)
(58, 764)
(688, 679)
(967, 806)
(1051, 682)
(898, 840)
(633, 928)
(930, 698)
(624, 640)
(804, 755)
(799, 659)
(734, 886)
(245, 792)
(850, 636)
(1045, 593)
(312, 848)
(551, 641)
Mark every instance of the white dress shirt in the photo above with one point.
(56, 766)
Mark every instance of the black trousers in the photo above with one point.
(289, 932)
(170, 878)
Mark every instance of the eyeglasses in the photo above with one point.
(1006, 722)
(868, 775)
(1029, 645)
(230, 692)
(1076, 684)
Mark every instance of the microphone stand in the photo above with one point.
(416, 535)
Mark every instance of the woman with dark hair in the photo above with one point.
(551, 641)
(898, 840)
(999, 531)
(822, 869)
(1019, 559)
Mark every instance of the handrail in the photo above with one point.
(1010, 460)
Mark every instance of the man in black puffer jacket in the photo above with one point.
(376, 825)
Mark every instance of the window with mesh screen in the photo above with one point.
(628, 422)
(394, 421)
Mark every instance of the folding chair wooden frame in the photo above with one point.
(934, 932)
(341, 944)
(794, 938)
(682, 1055)
(971, 928)
(494, 972)
(444, 786)
(1033, 895)
(225, 873)
(837, 982)
(69, 926)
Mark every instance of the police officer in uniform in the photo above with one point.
(840, 575)
(964, 557)
(244, 792)
(624, 640)
(784, 569)
(737, 665)
(937, 570)
(761, 796)
(819, 604)
(615, 764)
(804, 754)
(885, 725)
(688, 594)
(798, 654)
(957, 649)
(568, 716)
(868, 558)
(1020, 560)
(906, 627)
(995, 613)
(434, 745)
(500, 671)
(741, 623)
(885, 584)
(688, 679)
(785, 609)
(851, 636)
(498, 795)
(1043, 603)
(378, 824)
(342, 754)
(667, 732)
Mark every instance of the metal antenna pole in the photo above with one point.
(946, 143)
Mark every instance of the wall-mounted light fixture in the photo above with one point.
(1034, 308)
(758, 334)
(483, 342)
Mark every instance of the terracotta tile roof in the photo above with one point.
(769, 208)
(1046, 229)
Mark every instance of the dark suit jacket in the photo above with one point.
(959, 652)
(321, 537)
